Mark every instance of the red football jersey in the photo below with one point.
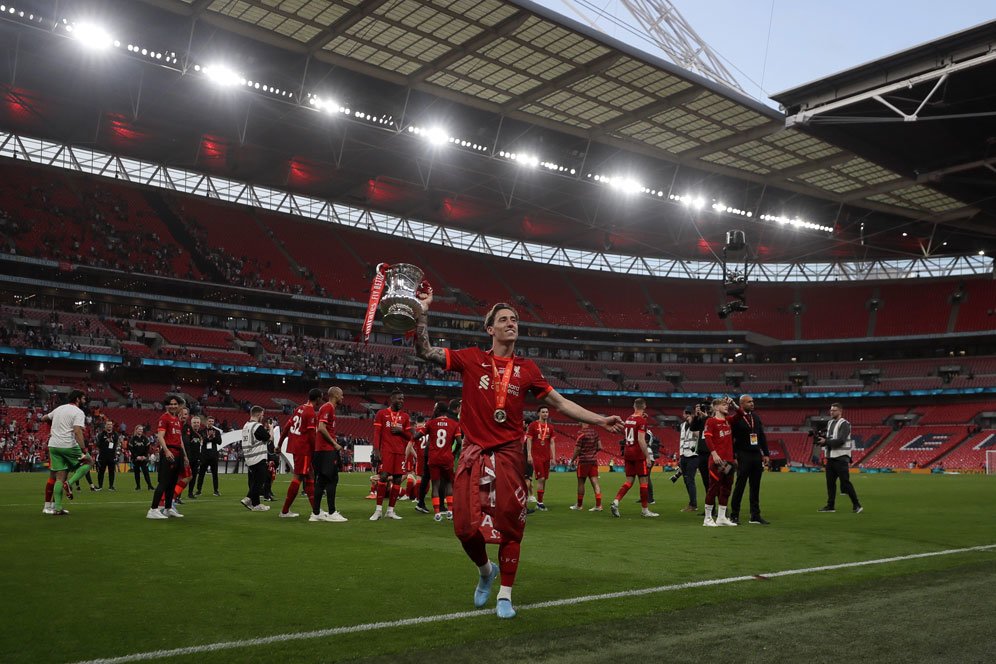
(326, 414)
(588, 444)
(170, 426)
(542, 435)
(301, 427)
(719, 437)
(440, 432)
(477, 417)
(635, 425)
(384, 439)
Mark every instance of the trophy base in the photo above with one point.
(400, 317)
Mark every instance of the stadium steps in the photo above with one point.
(520, 300)
(653, 308)
(877, 447)
(268, 232)
(180, 233)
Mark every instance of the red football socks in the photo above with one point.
(395, 490)
(309, 491)
(598, 500)
(539, 495)
(476, 549)
(295, 486)
(410, 489)
(623, 490)
(508, 562)
(580, 499)
(435, 504)
(381, 492)
(643, 495)
(49, 489)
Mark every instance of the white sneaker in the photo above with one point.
(597, 508)
(49, 508)
(532, 499)
(709, 523)
(154, 513)
(402, 498)
(723, 521)
(289, 515)
(376, 515)
(575, 508)
(649, 514)
(449, 515)
(260, 508)
(335, 517)
(392, 515)
(173, 513)
(318, 517)
(246, 503)
(438, 517)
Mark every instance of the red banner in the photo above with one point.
(376, 290)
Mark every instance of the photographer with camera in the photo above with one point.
(750, 446)
(688, 450)
(838, 445)
(719, 439)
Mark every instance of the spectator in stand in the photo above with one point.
(138, 448)
(838, 446)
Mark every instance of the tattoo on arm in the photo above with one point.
(423, 348)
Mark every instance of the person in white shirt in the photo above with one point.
(66, 450)
(256, 436)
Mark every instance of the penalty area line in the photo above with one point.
(460, 615)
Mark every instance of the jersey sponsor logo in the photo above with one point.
(930, 441)
(484, 383)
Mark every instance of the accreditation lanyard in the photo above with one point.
(501, 382)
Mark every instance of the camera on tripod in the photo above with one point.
(676, 476)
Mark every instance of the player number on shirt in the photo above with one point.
(296, 425)
(441, 438)
(630, 435)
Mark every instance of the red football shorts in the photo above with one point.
(497, 508)
(392, 463)
(586, 470)
(542, 468)
(302, 463)
(636, 468)
(187, 473)
(441, 472)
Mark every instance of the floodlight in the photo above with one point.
(91, 36)
(222, 75)
(698, 203)
(436, 135)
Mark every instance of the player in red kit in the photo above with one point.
(300, 430)
(540, 449)
(392, 431)
(415, 464)
(441, 432)
(489, 490)
(718, 437)
(327, 460)
(637, 458)
(172, 459)
(586, 451)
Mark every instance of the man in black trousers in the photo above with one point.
(108, 444)
(210, 444)
(750, 446)
(138, 448)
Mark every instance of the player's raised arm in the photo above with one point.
(572, 410)
(423, 347)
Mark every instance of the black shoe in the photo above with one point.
(858, 510)
(760, 521)
(530, 511)
(138, 488)
(422, 509)
(192, 496)
(734, 518)
(112, 489)
(178, 500)
(826, 508)
(217, 494)
(197, 493)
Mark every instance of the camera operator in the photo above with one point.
(838, 445)
(688, 449)
(750, 446)
(701, 415)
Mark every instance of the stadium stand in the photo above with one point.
(917, 445)
(971, 454)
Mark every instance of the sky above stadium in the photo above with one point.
(808, 40)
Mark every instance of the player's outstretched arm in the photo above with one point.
(423, 347)
(572, 410)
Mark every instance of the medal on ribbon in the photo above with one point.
(501, 388)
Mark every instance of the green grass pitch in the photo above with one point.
(105, 582)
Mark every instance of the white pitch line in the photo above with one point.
(369, 627)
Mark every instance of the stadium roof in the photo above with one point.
(513, 78)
